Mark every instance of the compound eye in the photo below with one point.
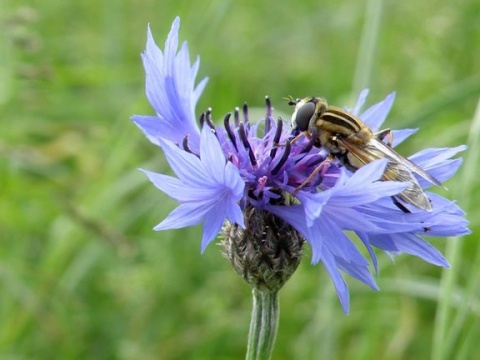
(301, 117)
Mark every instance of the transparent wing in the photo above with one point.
(392, 154)
(398, 169)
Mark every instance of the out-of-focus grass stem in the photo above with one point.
(368, 45)
(442, 343)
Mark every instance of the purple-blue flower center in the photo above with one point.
(267, 160)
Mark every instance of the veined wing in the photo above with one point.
(392, 154)
(398, 169)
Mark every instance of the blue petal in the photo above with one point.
(449, 225)
(441, 172)
(360, 101)
(448, 206)
(341, 288)
(170, 89)
(185, 165)
(400, 136)
(437, 163)
(161, 88)
(234, 181)
(313, 204)
(177, 189)
(376, 114)
(181, 192)
(198, 90)
(363, 187)
(235, 215)
(343, 218)
(364, 238)
(369, 173)
(187, 214)
(358, 272)
(293, 215)
(370, 193)
(213, 223)
(413, 245)
(427, 158)
(338, 243)
(208, 188)
(354, 191)
(155, 128)
(177, 78)
(389, 219)
(212, 155)
(383, 242)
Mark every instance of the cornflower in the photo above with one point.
(248, 182)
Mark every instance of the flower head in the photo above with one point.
(225, 173)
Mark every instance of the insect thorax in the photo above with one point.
(361, 137)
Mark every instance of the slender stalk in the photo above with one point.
(440, 349)
(263, 325)
(368, 45)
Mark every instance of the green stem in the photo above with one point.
(368, 45)
(263, 325)
(442, 338)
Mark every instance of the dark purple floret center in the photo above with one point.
(267, 159)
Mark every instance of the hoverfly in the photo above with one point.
(354, 144)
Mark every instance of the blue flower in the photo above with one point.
(223, 172)
(208, 187)
(171, 90)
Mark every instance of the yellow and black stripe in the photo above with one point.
(341, 122)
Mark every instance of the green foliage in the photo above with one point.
(82, 275)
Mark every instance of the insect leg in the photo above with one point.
(319, 168)
(400, 205)
(294, 140)
(380, 135)
(299, 136)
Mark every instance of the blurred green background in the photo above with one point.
(82, 274)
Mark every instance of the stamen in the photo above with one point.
(208, 119)
(261, 183)
(187, 148)
(185, 145)
(276, 138)
(236, 116)
(243, 137)
(252, 195)
(268, 105)
(202, 120)
(308, 146)
(399, 205)
(306, 149)
(283, 160)
(245, 112)
(313, 174)
(314, 162)
(228, 129)
(268, 115)
(268, 124)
